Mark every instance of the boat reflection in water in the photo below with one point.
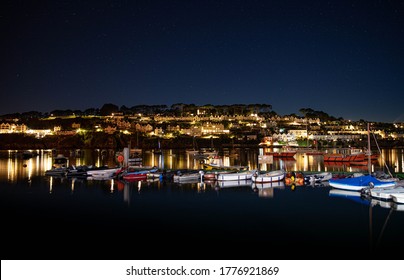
(266, 190)
(163, 214)
(371, 203)
(233, 184)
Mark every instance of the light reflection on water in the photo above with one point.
(13, 168)
(227, 213)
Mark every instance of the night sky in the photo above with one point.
(345, 58)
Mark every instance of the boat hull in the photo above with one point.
(268, 177)
(359, 183)
(387, 193)
(398, 198)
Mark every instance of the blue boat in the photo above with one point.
(360, 182)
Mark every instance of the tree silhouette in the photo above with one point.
(108, 108)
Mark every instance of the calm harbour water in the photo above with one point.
(57, 218)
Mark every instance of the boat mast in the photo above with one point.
(369, 152)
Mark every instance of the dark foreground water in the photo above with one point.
(58, 218)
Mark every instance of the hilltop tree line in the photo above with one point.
(178, 109)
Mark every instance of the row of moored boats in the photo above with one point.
(380, 187)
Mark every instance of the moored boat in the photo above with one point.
(212, 174)
(284, 152)
(234, 176)
(77, 171)
(187, 176)
(359, 183)
(133, 173)
(317, 177)
(268, 177)
(57, 171)
(351, 155)
(344, 158)
(281, 154)
(387, 193)
(134, 176)
(398, 198)
(103, 172)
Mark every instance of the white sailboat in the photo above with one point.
(395, 192)
(236, 176)
(268, 177)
